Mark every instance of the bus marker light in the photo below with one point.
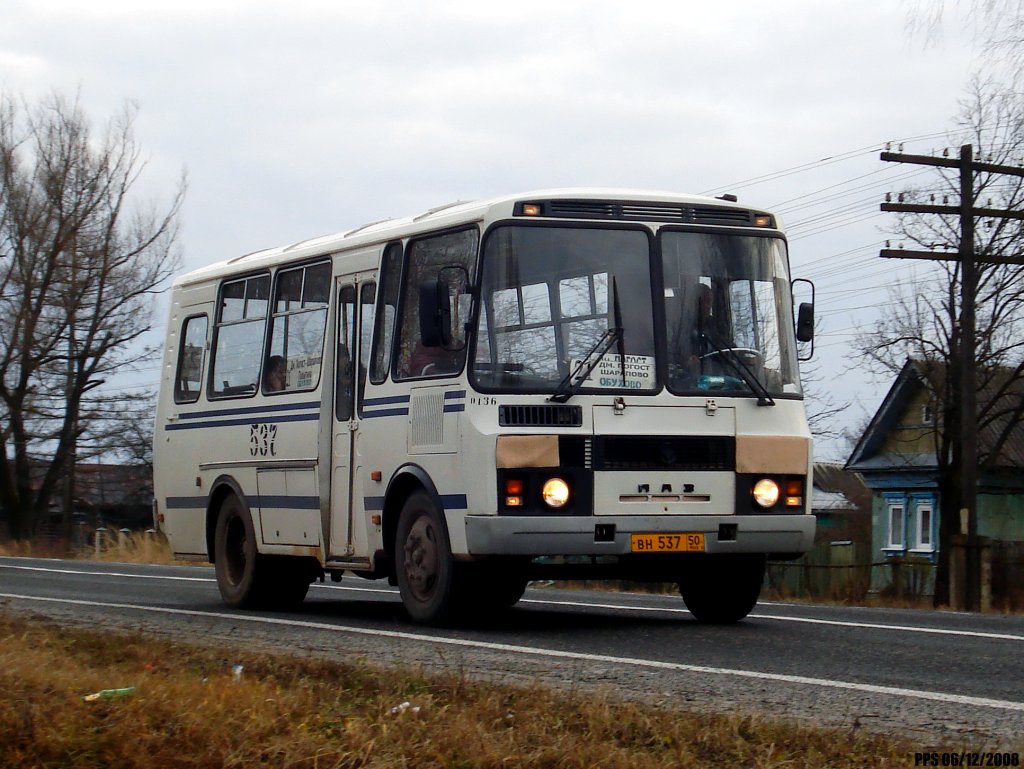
(376, 475)
(531, 209)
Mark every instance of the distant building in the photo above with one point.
(841, 503)
(896, 456)
(112, 495)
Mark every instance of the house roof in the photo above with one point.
(837, 489)
(1000, 395)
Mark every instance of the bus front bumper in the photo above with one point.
(779, 535)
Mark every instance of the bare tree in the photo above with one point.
(822, 407)
(998, 27)
(80, 263)
(921, 320)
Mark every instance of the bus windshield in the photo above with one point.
(728, 313)
(549, 296)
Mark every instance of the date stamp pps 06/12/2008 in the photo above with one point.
(967, 758)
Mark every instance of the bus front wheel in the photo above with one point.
(722, 589)
(428, 576)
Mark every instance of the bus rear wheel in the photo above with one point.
(428, 576)
(722, 589)
(246, 579)
(235, 554)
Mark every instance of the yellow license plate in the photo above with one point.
(687, 542)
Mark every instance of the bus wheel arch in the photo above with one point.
(406, 481)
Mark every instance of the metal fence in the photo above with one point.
(844, 571)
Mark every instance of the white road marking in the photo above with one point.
(958, 699)
(575, 605)
(809, 620)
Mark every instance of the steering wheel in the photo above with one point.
(748, 355)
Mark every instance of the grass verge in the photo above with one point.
(133, 547)
(195, 707)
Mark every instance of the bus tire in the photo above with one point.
(428, 577)
(248, 580)
(235, 555)
(499, 585)
(722, 589)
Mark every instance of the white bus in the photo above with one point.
(577, 384)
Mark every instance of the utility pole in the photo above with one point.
(966, 386)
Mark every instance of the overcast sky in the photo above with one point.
(303, 118)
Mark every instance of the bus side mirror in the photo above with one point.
(435, 314)
(805, 322)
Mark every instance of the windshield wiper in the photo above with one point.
(571, 383)
(741, 368)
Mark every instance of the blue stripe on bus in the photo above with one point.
(448, 501)
(278, 501)
(185, 503)
(388, 399)
(286, 502)
(386, 413)
(452, 394)
(250, 410)
(260, 418)
(454, 501)
(455, 407)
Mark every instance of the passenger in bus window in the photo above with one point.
(275, 377)
(432, 361)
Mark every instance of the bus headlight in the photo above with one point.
(555, 492)
(766, 492)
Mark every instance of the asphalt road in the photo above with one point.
(929, 676)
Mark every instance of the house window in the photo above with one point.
(925, 516)
(927, 414)
(896, 540)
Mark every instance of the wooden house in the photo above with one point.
(896, 456)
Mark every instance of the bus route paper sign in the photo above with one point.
(607, 373)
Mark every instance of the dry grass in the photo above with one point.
(190, 710)
(133, 547)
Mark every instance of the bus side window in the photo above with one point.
(384, 321)
(301, 296)
(367, 315)
(191, 356)
(345, 357)
(238, 336)
(427, 258)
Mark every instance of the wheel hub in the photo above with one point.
(421, 553)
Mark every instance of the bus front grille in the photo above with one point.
(626, 453)
(540, 416)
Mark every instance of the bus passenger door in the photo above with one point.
(355, 326)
